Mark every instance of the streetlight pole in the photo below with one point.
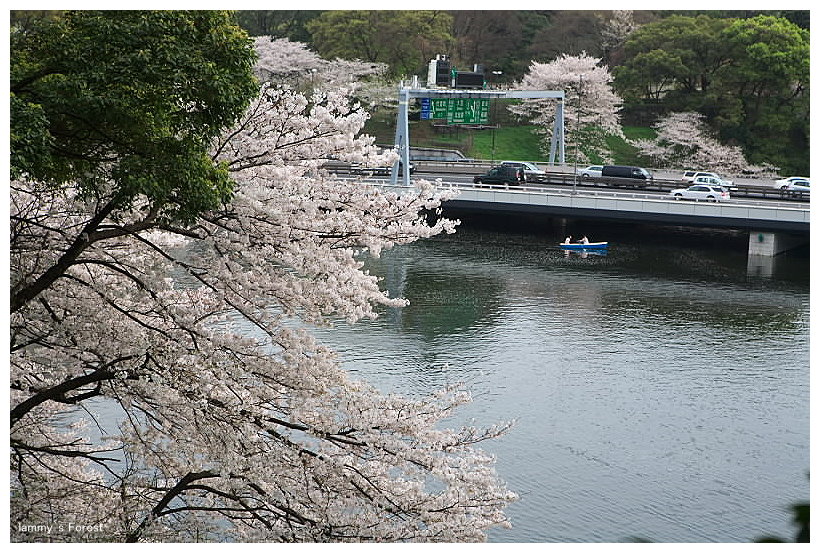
(497, 74)
(577, 134)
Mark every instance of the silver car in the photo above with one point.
(590, 172)
(692, 176)
(793, 184)
(701, 192)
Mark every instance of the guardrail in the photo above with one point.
(601, 192)
(472, 167)
(661, 185)
(666, 185)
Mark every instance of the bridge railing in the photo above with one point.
(470, 168)
(601, 192)
(597, 192)
(570, 179)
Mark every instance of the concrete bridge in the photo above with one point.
(773, 226)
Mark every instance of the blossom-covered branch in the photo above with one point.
(213, 414)
(683, 140)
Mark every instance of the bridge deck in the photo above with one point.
(618, 205)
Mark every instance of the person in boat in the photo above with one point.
(568, 239)
(584, 240)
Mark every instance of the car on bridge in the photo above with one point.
(385, 170)
(502, 174)
(626, 172)
(625, 175)
(701, 192)
(790, 182)
(336, 166)
(796, 187)
(713, 180)
(531, 171)
(593, 171)
(690, 176)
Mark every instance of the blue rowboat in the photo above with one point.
(588, 246)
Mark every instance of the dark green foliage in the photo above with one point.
(277, 23)
(31, 144)
(570, 32)
(131, 99)
(405, 40)
(768, 79)
(677, 59)
(748, 76)
(498, 39)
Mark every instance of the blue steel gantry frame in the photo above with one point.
(403, 130)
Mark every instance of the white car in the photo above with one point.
(531, 170)
(713, 181)
(690, 176)
(797, 188)
(788, 183)
(701, 192)
(589, 172)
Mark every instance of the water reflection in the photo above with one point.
(583, 254)
(446, 301)
(454, 284)
(760, 266)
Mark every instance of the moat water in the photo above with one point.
(660, 392)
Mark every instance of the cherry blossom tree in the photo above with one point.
(282, 59)
(164, 382)
(285, 61)
(587, 87)
(616, 30)
(684, 140)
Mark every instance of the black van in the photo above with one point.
(625, 172)
(502, 174)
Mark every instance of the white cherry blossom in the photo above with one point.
(222, 419)
(587, 86)
(684, 140)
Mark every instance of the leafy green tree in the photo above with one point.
(129, 101)
(405, 40)
(278, 23)
(651, 75)
(768, 80)
(495, 39)
(569, 32)
(675, 58)
(748, 76)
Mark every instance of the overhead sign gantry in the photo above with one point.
(402, 142)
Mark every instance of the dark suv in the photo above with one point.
(625, 172)
(501, 174)
(627, 175)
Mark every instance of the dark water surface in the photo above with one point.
(660, 392)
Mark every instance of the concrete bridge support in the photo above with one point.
(769, 244)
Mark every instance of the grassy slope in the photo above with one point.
(511, 141)
(624, 153)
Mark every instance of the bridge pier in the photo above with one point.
(769, 244)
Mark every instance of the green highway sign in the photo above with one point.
(438, 108)
(457, 110)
